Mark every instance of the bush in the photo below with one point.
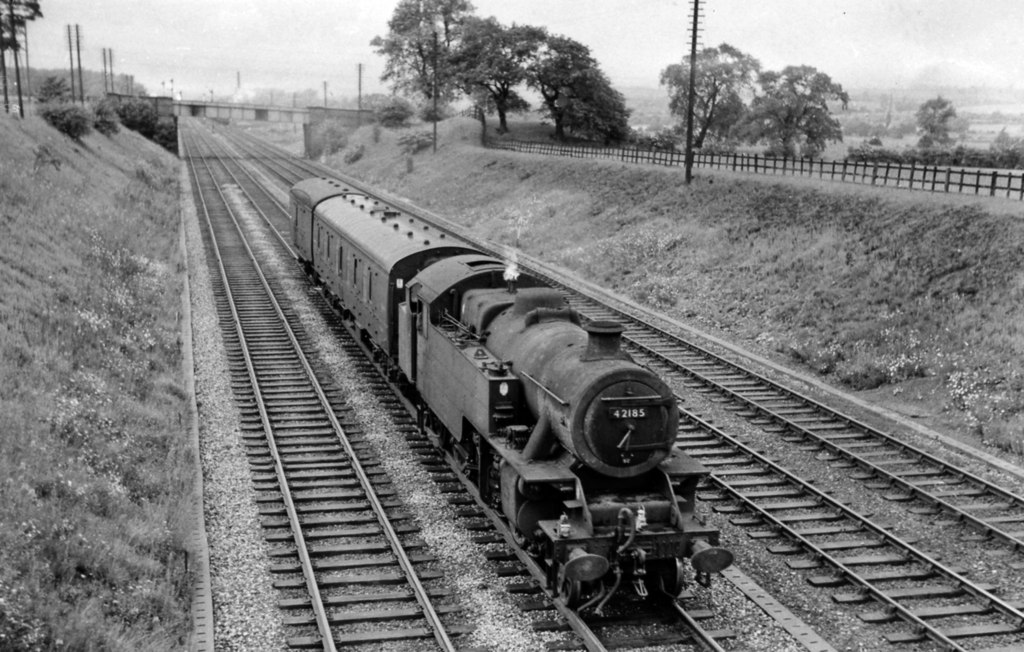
(166, 134)
(139, 116)
(72, 120)
(106, 121)
(428, 114)
(326, 138)
(395, 113)
(354, 155)
(414, 142)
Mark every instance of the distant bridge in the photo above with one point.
(306, 116)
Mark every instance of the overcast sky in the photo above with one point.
(299, 44)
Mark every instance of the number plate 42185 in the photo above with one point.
(627, 412)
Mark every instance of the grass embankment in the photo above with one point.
(95, 468)
(914, 297)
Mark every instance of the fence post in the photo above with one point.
(992, 186)
(913, 169)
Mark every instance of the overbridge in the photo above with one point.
(306, 116)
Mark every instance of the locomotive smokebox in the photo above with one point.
(604, 339)
(616, 417)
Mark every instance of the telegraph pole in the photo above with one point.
(3, 71)
(435, 91)
(71, 55)
(78, 44)
(105, 83)
(691, 96)
(14, 51)
(325, 94)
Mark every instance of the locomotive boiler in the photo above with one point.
(545, 413)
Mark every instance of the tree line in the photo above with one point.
(439, 50)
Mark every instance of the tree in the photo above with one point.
(14, 15)
(575, 92)
(54, 89)
(792, 113)
(422, 36)
(933, 122)
(492, 61)
(723, 75)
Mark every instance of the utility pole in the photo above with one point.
(691, 96)
(28, 69)
(71, 55)
(78, 44)
(105, 84)
(3, 71)
(113, 88)
(435, 90)
(325, 94)
(14, 51)
(359, 96)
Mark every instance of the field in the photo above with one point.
(96, 473)
(911, 299)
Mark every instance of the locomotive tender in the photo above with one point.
(554, 423)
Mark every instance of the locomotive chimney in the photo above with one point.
(603, 340)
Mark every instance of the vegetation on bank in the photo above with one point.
(915, 295)
(96, 471)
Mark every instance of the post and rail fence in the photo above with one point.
(934, 178)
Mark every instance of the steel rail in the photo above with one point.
(316, 601)
(923, 456)
(978, 593)
(892, 478)
(588, 637)
(430, 614)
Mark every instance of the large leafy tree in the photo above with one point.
(418, 48)
(492, 62)
(724, 74)
(576, 94)
(791, 112)
(933, 121)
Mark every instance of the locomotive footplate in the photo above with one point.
(555, 471)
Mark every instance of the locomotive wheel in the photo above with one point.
(672, 578)
(572, 592)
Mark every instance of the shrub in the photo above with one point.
(414, 142)
(395, 113)
(326, 138)
(106, 121)
(427, 113)
(354, 155)
(139, 116)
(72, 120)
(166, 134)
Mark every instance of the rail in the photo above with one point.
(932, 178)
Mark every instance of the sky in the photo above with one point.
(292, 45)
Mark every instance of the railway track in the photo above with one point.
(545, 613)
(343, 546)
(863, 557)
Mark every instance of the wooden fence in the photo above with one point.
(935, 178)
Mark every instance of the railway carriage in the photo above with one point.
(555, 424)
(363, 253)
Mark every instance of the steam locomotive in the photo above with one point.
(549, 417)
